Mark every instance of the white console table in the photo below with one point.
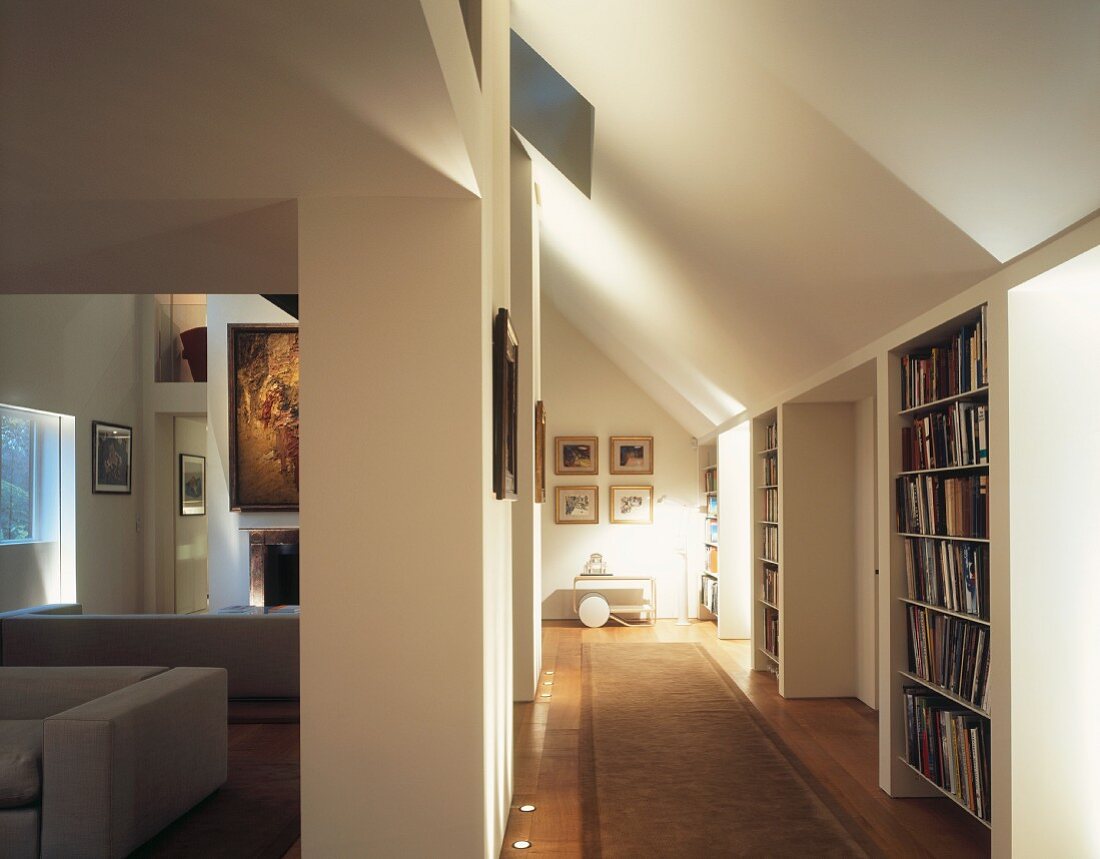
(647, 607)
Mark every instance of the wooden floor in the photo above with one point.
(836, 738)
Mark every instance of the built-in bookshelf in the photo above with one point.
(941, 583)
(708, 581)
(766, 584)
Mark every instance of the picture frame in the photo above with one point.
(192, 485)
(263, 417)
(631, 454)
(505, 406)
(576, 454)
(540, 452)
(112, 458)
(576, 505)
(631, 505)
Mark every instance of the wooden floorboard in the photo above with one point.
(835, 738)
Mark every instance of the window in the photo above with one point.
(17, 475)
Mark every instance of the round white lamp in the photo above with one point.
(593, 610)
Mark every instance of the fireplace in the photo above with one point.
(272, 566)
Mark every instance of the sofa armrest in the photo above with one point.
(117, 770)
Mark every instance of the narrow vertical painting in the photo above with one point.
(263, 417)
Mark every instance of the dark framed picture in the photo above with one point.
(540, 452)
(576, 505)
(576, 454)
(631, 505)
(112, 458)
(505, 406)
(192, 485)
(631, 454)
(263, 417)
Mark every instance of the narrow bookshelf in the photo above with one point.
(940, 561)
(708, 580)
(766, 586)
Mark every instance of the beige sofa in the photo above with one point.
(95, 761)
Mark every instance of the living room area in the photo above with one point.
(149, 518)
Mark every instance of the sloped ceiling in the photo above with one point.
(122, 121)
(777, 184)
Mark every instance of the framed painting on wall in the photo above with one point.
(192, 485)
(112, 458)
(540, 452)
(576, 505)
(505, 406)
(263, 417)
(631, 505)
(576, 454)
(631, 454)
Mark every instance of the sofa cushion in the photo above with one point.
(35, 693)
(20, 762)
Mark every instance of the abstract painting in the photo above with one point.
(631, 454)
(192, 485)
(263, 417)
(576, 454)
(112, 458)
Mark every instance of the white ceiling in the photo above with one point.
(777, 184)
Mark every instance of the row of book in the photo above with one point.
(771, 505)
(957, 435)
(710, 480)
(710, 559)
(708, 594)
(954, 576)
(771, 585)
(950, 652)
(950, 747)
(771, 436)
(712, 530)
(712, 505)
(934, 505)
(771, 470)
(944, 371)
(771, 632)
(771, 542)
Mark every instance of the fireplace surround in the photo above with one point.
(272, 566)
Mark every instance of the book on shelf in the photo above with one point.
(771, 631)
(771, 542)
(712, 505)
(771, 436)
(953, 576)
(771, 505)
(771, 470)
(950, 652)
(771, 585)
(935, 505)
(708, 594)
(957, 435)
(712, 530)
(710, 480)
(958, 366)
(711, 559)
(949, 746)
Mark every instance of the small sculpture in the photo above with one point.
(595, 566)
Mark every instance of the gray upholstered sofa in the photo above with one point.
(259, 652)
(95, 761)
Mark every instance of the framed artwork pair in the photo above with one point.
(580, 505)
(579, 454)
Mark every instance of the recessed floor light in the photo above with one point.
(547, 682)
(549, 672)
(521, 845)
(545, 695)
(527, 808)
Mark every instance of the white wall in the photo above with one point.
(586, 394)
(735, 559)
(866, 582)
(1054, 438)
(228, 545)
(78, 355)
(191, 584)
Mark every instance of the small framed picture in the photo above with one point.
(631, 505)
(192, 485)
(576, 454)
(576, 505)
(112, 458)
(631, 454)
(540, 452)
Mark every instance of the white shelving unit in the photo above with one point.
(767, 614)
(708, 487)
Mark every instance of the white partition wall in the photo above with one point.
(735, 593)
(1054, 424)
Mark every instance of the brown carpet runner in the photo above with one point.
(676, 762)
